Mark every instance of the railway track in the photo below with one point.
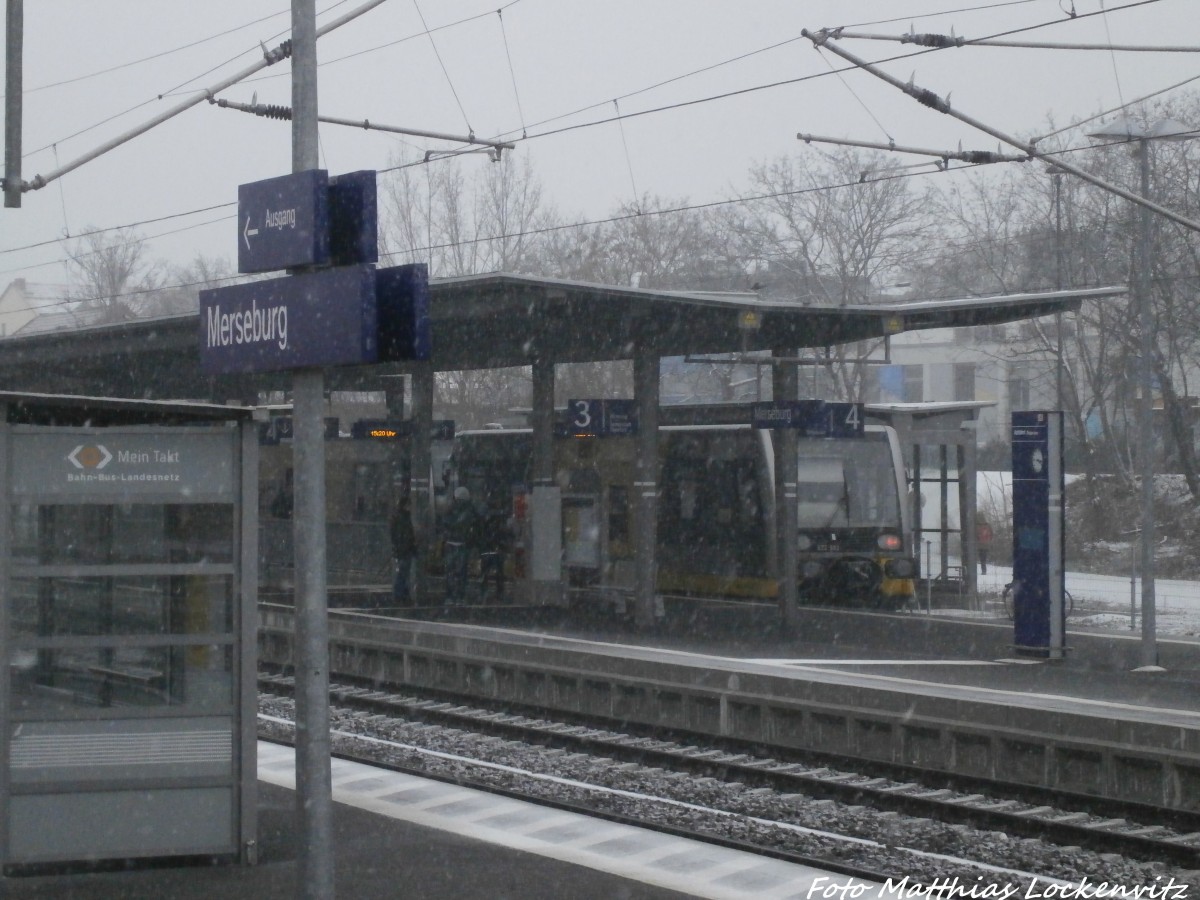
(925, 819)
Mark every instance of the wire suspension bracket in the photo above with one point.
(821, 39)
(277, 111)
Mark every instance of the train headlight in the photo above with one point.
(804, 542)
(889, 542)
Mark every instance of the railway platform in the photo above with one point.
(904, 690)
(399, 836)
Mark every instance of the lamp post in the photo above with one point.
(1056, 176)
(1124, 128)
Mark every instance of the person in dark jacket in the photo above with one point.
(461, 533)
(404, 550)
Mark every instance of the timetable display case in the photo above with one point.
(128, 569)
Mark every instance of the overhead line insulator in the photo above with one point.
(932, 40)
(273, 111)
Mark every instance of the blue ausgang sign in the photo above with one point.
(283, 222)
(324, 318)
(813, 418)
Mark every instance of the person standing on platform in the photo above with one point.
(461, 531)
(493, 550)
(404, 550)
(983, 541)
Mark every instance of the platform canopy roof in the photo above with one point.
(491, 321)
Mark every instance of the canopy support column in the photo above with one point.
(785, 385)
(546, 500)
(421, 487)
(646, 608)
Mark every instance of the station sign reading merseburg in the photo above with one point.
(324, 318)
(349, 315)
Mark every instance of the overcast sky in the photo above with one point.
(570, 60)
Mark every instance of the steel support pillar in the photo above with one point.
(546, 501)
(314, 787)
(421, 487)
(785, 385)
(646, 608)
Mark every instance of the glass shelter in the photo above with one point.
(127, 626)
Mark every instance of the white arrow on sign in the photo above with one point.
(248, 232)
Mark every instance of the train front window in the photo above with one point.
(849, 483)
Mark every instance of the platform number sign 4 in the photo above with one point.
(853, 416)
(812, 418)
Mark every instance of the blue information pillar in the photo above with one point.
(1039, 616)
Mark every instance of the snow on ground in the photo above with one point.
(1104, 601)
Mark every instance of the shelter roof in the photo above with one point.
(29, 408)
(497, 320)
(488, 321)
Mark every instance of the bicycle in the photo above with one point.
(1007, 599)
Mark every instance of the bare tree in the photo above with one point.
(467, 219)
(831, 228)
(464, 221)
(655, 243)
(181, 292)
(111, 273)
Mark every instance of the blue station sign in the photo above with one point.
(601, 418)
(280, 430)
(283, 222)
(813, 418)
(1039, 626)
(350, 315)
(324, 318)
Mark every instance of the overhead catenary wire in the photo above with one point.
(963, 9)
(511, 72)
(724, 95)
(164, 53)
(153, 56)
(891, 174)
(1123, 106)
(1113, 59)
(269, 58)
(441, 62)
(700, 100)
(174, 91)
(409, 37)
(925, 97)
(784, 83)
(430, 246)
(637, 198)
(857, 98)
